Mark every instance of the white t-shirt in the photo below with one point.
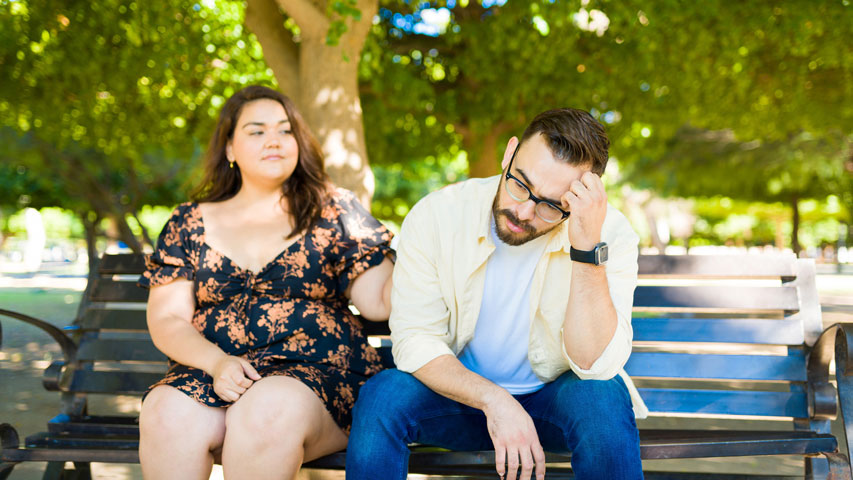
(498, 350)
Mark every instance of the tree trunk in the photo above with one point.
(281, 53)
(780, 237)
(125, 234)
(91, 237)
(321, 79)
(795, 224)
(484, 151)
(332, 107)
(146, 238)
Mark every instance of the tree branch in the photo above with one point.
(312, 20)
(357, 31)
(281, 53)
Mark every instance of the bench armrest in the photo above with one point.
(8, 436)
(835, 342)
(69, 349)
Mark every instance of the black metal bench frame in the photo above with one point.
(76, 436)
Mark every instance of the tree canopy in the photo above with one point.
(765, 87)
(112, 100)
(105, 105)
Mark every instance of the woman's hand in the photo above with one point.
(232, 376)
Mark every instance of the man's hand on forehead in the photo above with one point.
(587, 202)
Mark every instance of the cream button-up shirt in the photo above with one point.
(440, 272)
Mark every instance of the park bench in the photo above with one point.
(719, 342)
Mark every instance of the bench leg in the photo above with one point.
(829, 466)
(6, 469)
(57, 471)
(8, 439)
(839, 466)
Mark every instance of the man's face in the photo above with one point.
(547, 178)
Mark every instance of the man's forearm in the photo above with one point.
(447, 376)
(591, 319)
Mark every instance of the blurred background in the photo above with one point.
(731, 123)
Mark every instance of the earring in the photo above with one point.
(230, 163)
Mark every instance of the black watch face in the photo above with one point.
(601, 254)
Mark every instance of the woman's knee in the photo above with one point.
(272, 407)
(169, 413)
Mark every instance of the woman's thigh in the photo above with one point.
(286, 411)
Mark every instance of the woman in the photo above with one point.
(249, 292)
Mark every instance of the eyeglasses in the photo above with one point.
(520, 192)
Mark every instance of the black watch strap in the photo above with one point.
(596, 256)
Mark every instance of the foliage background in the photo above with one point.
(743, 108)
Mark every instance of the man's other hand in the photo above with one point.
(514, 437)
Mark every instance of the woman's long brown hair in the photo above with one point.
(308, 186)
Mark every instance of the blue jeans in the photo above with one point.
(593, 419)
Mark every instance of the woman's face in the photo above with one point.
(263, 145)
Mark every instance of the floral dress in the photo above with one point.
(292, 317)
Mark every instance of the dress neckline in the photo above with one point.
(234, 264)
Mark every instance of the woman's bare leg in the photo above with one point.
(278, 424)
(177, 435)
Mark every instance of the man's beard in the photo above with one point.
(503, 232)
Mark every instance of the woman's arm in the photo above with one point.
(370, 292)
(170, 312)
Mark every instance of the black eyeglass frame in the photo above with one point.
(536, 200)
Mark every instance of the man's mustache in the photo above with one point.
(512, 218)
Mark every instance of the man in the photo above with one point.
(510, 319)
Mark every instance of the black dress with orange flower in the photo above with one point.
(292, 317)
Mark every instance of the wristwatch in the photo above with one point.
(596, 256)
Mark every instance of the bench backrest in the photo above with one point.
(713, 336)
(724, 336)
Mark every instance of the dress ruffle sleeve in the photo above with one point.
(364, 241)
(172, 256)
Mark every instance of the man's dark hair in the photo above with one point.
(573, 136)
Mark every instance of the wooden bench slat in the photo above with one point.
(721, 402)
(660, 444)
(93, 424)
(698, 298)
(722, 298)
(717, 266)
(654, 444)
(54, 454)
(121, 292)
(121, 264)
(787, 331)
(791, 368)
(113, 320)
(119, 350)
(111, 441)
(119, 383)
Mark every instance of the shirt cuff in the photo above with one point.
(609, 363)
(412, 353)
